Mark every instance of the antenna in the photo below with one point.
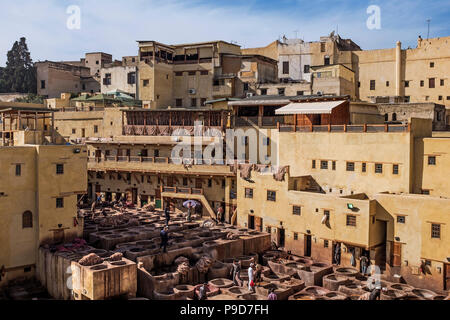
(428, 32)
(296, 33)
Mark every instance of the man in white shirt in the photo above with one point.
(251, 277)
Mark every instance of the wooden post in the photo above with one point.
(386, 127)
(345, 127)
(35, 121)
(123, 123)
(365, 127)
(18, 121)
(3, 128)
(53, 128)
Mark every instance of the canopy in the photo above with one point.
(309, 107)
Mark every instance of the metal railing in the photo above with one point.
(186, 190)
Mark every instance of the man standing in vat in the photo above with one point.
(164, 238)
(251, 278)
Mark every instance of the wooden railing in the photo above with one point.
(166, 160)
(346, 128)
(186, 190)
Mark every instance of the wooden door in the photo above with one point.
(198, 183)
(258, 223)
(446, 276)
(134, 194)
(396, 254)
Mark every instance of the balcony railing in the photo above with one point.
(160, 160)
(371, 128)
(182, 190)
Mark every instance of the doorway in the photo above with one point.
(281, 237)
(446, 276)
(251, 222)
(307, 249)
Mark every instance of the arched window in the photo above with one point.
(394, 117)
(386, 117)
(27, 219)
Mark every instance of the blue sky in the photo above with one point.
(113, 26)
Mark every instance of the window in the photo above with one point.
(372, 84)
(422, 83)
(431, 160)
(131, 78)
(326, 60)
(156, 153)
(263, 92)
(192, 73)
(333, 165)
(83, 86)
(387, 83)
(96, 62)
(431, 64)
(431, 83)
(268, 229)
(74, 131)
(60, 202)
(323, 164)
(306, 68)
(350, 166)
(378, 168)
(351, 220)
(146, 82)
(322, 47)
(281, 91)
(285, 67)
(107, 79)
(271, 195)
(296, 210)
(18, 170)
(245, 86)
(300, 93)
(395, 169)
(42, 84)
(249, 193)
(442, 82)
(95, 129)
(424, 191)
(179, 102)
(209, 183)
(193, 102)
(204, 72)
(364, 167)
(266, 141)
(295, 236)
(436, 230)
(178, 74)
(439, 98)
(59, 168)
(401, 219)
(394, 117)
(314, 164)
(406, 84)
(202, 101)
(325, 243)
(27, 220)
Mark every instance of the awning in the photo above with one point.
(309, 107)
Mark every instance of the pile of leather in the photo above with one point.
(116, 256)
(232, 236)
(203, 264)
(90, 260)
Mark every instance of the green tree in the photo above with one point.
(19, 75)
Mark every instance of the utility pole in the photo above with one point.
(428, 32)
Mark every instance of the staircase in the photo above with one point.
(188, 193)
